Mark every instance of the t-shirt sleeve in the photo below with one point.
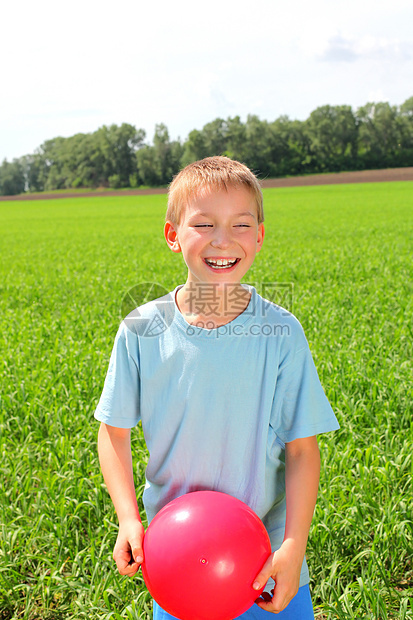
(119, 402)
(300, 407)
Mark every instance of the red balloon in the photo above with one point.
(202, 553)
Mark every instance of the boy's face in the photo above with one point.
(218, 235)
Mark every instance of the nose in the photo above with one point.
(222, 238)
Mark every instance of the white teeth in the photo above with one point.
(220, 262)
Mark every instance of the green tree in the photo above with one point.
(405, 126)
(194, 148)
(299, 149)
(379, 135)
(332, 138)
(215, 137)
(333, 133)
(116, 151)
(257, 145)
(157, 164)
(147, 166)
(51, 154)
(33, 172)
(12, 181)
(280, 147)
(90, 160)
(166, 160)
(236, 139)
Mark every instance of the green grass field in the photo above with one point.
(66, 266)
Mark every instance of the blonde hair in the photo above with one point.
(218, 173)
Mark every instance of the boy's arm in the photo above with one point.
(301, 486)
(116, 463)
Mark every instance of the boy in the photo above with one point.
(225, 388)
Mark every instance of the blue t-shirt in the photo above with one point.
(216, 405)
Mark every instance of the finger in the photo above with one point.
(129, 570)
(125, 562)
(265, 597)
(126, 568)
(264, 574)
(137, 552)
(277, 603)
(268, 606)
(271, 605)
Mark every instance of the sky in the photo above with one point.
(71, 67)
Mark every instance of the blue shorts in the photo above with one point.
(299, 608)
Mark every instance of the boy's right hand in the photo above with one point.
(128, 553)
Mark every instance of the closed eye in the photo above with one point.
(202, 225)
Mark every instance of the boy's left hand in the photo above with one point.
(284, 566)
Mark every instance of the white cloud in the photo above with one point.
(348, 49)
(376, 95)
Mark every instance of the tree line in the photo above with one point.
(331, 139)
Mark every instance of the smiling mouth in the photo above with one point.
(221, 263)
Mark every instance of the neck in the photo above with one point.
(210, 304)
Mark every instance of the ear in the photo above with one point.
(260, 236)
(171, 236)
